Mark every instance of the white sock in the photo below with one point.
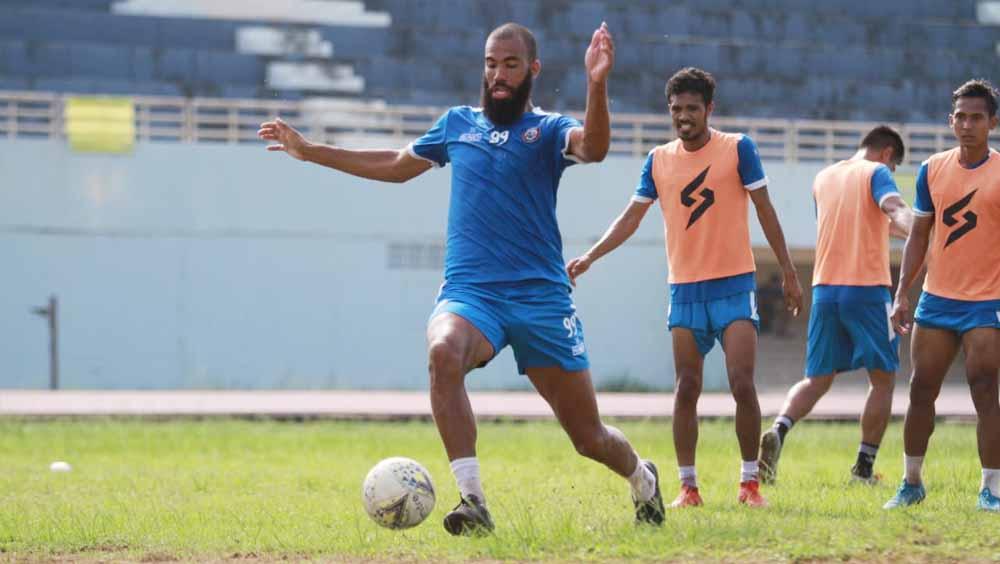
(870, 450)
(748, 470)
(784, 420)
(688, 476)
(466, 471)
(643, 481)
(912, 466)
(991, 480)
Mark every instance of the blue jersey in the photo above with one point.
(883, 185)
(502, 217)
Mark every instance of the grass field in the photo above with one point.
(223, 489)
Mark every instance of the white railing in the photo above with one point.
(231, 121)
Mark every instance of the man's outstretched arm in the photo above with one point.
(621, 229)
(900, 216)
(385, 165)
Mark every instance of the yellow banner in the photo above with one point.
(100, 124)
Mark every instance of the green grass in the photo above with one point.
(222, 489)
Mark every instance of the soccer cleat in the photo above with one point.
(750, 494)
(651, 511)
(864, 475)
(688, 497)
(770, 451)
(470, 518)
(988, 501)
(906, 495)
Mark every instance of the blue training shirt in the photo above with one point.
(502, 216)
(923, 205)
(883, 185)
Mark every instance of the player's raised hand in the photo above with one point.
(902, 317)
(600, 54)
(578, 266)
(287, 137)
(793, 292)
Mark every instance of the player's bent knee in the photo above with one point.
(884, 384)
(741, 379)
(983, 388)
(743, 390)
(444, 362)
(982, 373)
(688, 389)
(821, 383)
(922, 394)
(591, 445)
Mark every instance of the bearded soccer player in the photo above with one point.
(505, 283)
(704, 181)
(857, 207)
(957, 213)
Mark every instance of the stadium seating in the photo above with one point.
(839, 59)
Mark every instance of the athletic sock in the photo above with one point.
(912, 466)
(748, 471)
(866, 459)
(688, 476)
(643, 481)
(466, 472)
(783, 424)
(991, 480)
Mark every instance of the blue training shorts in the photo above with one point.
(537, 319)
(707, 320)
(958, 316)
(846, 336)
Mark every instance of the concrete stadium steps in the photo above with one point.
(844, 59)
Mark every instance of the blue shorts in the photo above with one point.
(708, 308)
(851, 333)
(958, 316)
(537, 319)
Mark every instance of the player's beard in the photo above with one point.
(694, 132)
(507, 111)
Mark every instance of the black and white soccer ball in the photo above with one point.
(398, 493)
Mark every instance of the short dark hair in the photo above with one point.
(978, 88)
(884, 136)
(692, 80)
(511, 29)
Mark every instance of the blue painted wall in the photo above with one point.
(200, 266)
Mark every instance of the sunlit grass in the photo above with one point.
(219, 488)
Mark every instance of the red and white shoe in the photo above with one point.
(688, 497)
(750, 494)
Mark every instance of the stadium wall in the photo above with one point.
(204, 266)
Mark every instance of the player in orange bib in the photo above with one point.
(849, 325)
(704, 182)
(958, 217)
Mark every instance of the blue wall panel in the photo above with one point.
(182, 266)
